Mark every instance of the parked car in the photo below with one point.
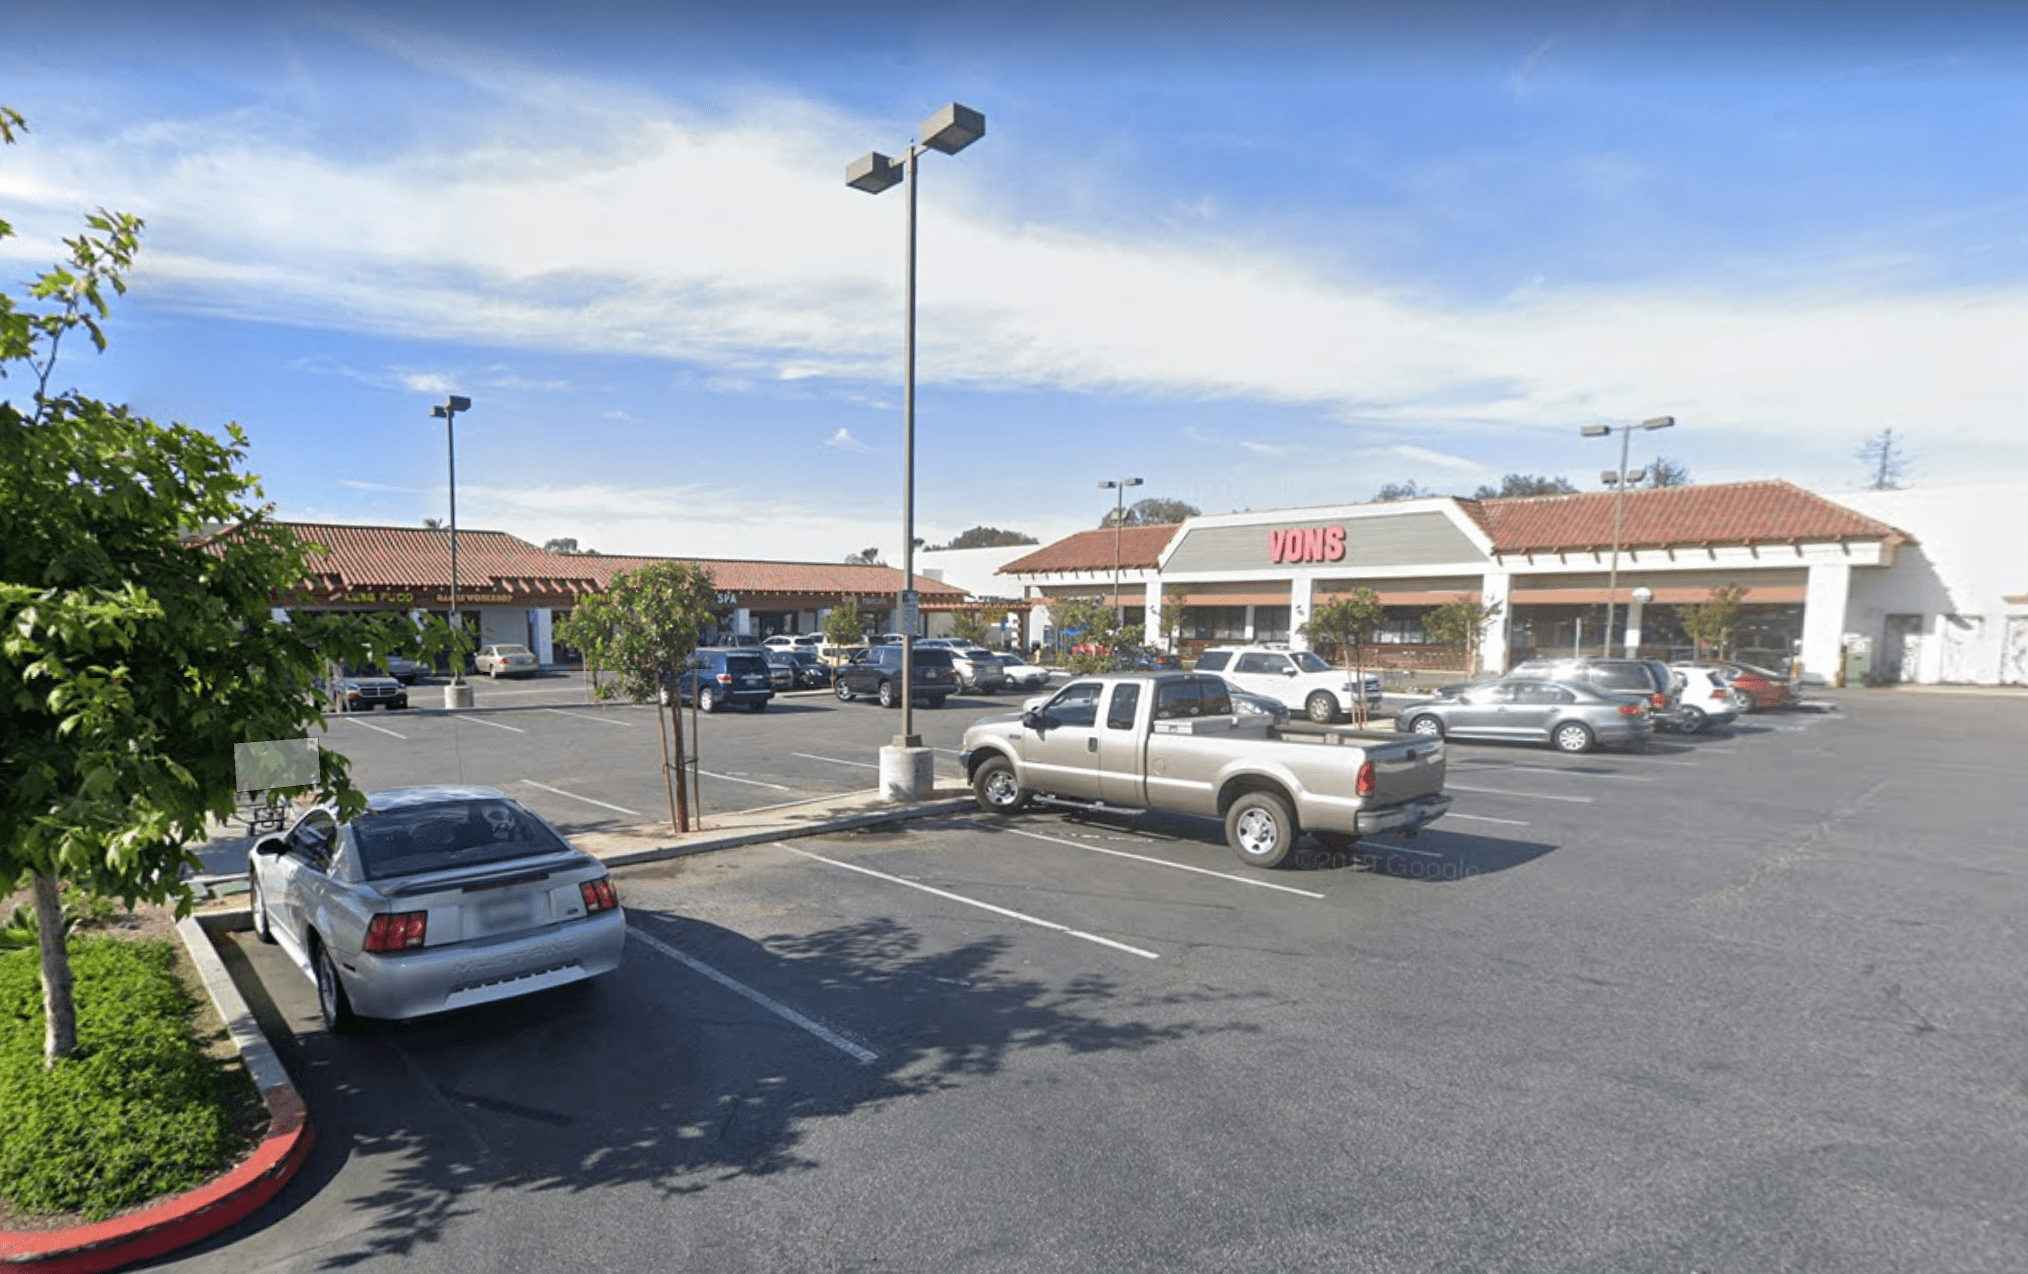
(431, 899)
(977, 669)
(718, 675)
(812, 673)
(506, 659)
(1705, 698)
(405, 670)
(1758, 689)
(1650, 678)
(733, 640)
(362, 691)
(1570, 716)
(1148, 659)
(1298, 678)
(781, 668)
(876, 671)
(781, 641)
(1018, 674)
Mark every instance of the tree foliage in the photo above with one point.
(567, 544)
(971, 626)
(987, 537)
(134, 657)
(1410, 490)
(1459, 627)
(1886, 459)
(865, 557)
(1711, 621)
(1664, 472)
(1525, 484)
(1092, 636)
(1153, 511)
(644, 629)
(1340, 630)
(843, 627)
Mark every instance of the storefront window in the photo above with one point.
(1270, 623)
(1215, 623)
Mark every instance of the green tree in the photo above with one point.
(1664, 472)
(1711, 621)
(1170, 622)
(1459, 627)
(1340, 630)
(1094, 639)
(1525, 484)
(988, 537)
(865, 557)
(644, 629)
(971, 626)
(135, 658)
(1401, 491)
(1153, 511)
(843, 627)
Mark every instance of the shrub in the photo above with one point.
(138, 1111)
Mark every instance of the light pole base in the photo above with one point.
(907, 773)
(457, 695)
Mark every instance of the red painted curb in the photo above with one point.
(183, 1220)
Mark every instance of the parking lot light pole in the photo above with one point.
(1619, 480)
(1119, 520)
(457, 694)
(950, 130)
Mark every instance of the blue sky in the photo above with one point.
(1261, 256)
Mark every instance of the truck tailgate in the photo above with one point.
(1404, 767)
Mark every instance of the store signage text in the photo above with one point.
(1307, 544)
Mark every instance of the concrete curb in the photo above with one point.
(208, 1209)
(762, 832)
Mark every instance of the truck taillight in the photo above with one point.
(598, 895)
(397, 932)
(724, 679)
(1363, 785)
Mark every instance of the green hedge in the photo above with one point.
(138, 1111)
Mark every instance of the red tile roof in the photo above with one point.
(1727, 513)
(1139, 548)
(405, 557)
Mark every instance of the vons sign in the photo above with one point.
(1307, 544)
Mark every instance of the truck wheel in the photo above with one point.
(707, 699)
(1260, 829)
(889, 697)
(1572, 737)
(996, 787)
(1322, 708)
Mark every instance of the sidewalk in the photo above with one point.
(817, 816)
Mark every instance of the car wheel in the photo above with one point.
(1691, 719)
(758, 705)
(1572, 737)
(1260, 829)
(257, 903)
(996, 787)
(1742, 701)
(1427, 726)
(333, 1005)
(887, 695)
(707, 700)
(844, 695)
(494, 672)
(1322, 707)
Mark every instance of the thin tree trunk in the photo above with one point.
(668, 783)
(59, 1003)
(682, 788)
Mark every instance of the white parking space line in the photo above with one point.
(1526, 796)
(983, 906)
(584, 716)
(807, 800)
(1161, 862)
(1582, 774)
(836, 760)
(1481, 818)
(463, 720)
(783, 1011)
(734, 778)
(621, 809)
(382, 729)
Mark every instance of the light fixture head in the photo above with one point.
(460, 403)
(1610, 477)
(1131, 482)
(439, 412)
(1658, 422)
(1596, 431)
(953, 128)
(872, 172)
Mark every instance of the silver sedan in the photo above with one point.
(434, 898)
(1569, 717)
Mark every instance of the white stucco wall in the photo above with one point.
(1971, 552)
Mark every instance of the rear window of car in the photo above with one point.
(934, 657)
(404, 842)
(1213, 660)
(742, 661)
(1623, 677)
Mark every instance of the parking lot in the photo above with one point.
(1740, 1002)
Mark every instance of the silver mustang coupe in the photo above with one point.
(434, 898)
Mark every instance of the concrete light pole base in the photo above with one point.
(457, 695)
(906, 773)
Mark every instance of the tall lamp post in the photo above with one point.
(1619, 480)
(950, 130)
(1119, 518)
(457, 694)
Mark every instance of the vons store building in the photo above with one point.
(1542, 564)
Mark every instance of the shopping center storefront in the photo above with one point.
(1544, 568)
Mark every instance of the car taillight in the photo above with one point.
(1363, 785)
(396, 932)
(1659, 699)
(1718, 692)
(599, 895)
(724, 678)
(1632, 709)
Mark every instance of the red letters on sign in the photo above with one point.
(1307, 544)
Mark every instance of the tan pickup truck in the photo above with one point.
(1171, 741)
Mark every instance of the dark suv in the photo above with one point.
(718, 676)
(876, 671)
(1650, 678)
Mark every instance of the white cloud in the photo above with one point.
(1440, 459)
(845, 440)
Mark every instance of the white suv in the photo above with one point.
(1298, 679)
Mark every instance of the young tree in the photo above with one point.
(1097, 641)
(135, 659)
(1459, 626)
(1171, 620)
(971, 626)
(1711, 621)
(843, 627)
(1886, 461)
(1341, 629)
(645, 628)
